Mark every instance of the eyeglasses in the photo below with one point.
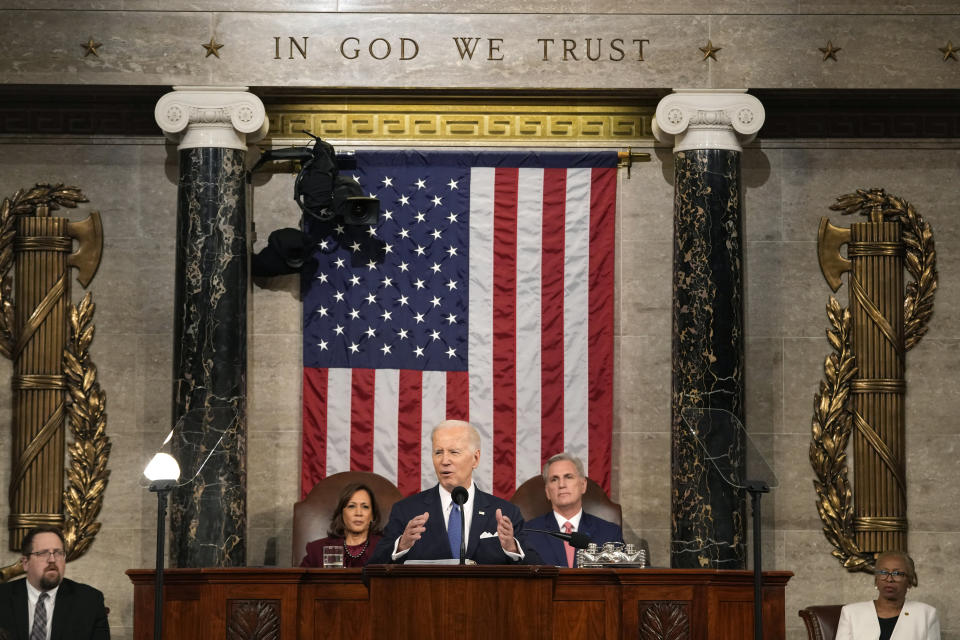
(895, 575)
(47, 553)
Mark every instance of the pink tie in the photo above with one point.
(566, 545)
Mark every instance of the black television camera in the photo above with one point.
(321, 193)
(319, 190)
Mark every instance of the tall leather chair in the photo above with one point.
(312, 515)
(531, 499)
(821, 621)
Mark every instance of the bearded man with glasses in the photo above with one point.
(45, 605)
(891, 616)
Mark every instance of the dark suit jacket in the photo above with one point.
(434, 544)
(551, 549)
(78, 613)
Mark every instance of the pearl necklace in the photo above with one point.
(362, 551)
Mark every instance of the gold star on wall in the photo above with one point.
(90, 46)
(830, 51)
(213, 48)
(710, 51)
(949, 52)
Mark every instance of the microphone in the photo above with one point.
(460, 497)
(576, 539)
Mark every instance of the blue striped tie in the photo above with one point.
(453, 530)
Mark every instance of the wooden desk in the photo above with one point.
(396, 602)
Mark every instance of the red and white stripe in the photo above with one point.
(540, 347)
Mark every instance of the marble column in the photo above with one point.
(211, 126)
(707, 129)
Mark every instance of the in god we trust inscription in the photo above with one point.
(468, 48)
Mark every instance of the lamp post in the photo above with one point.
(163, 473)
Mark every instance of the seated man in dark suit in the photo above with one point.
(426, 526)
(45, 604)
(565, 484)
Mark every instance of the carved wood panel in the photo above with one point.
(663, 620)
(253, 619)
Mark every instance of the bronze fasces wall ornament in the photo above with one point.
(861, 398)
(54, 380)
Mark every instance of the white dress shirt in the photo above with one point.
(33, 594)
(575, 520)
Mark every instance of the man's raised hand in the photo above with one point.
(413, 531)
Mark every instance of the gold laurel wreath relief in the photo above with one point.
(89, 452)
(832, 423)
(921, 254)
(833, 419)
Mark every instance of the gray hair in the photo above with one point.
(472, 434)
(563, 456)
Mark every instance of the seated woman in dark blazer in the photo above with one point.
(891, 616)
(355, 526)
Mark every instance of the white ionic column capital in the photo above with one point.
(708, 119)
(225, 117)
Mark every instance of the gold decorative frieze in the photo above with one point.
(529, 124)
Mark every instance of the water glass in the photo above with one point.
(333, 557)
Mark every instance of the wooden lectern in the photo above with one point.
(431, 602)
(427, 602)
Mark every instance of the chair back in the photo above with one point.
(531, 499)
(312, 515)
(821, 621)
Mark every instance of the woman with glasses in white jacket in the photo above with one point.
(891, 616)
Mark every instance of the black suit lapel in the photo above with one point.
(552, 524)
(482, 515)
(62, 608)
(556, 544)
(586, 525)
(591, 525)
(20, 611)
(436, 535)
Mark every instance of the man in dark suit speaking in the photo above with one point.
(47, 606)
(426, 526)
(565, 484)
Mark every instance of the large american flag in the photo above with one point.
(484, 293)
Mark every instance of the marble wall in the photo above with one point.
(787, 187)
